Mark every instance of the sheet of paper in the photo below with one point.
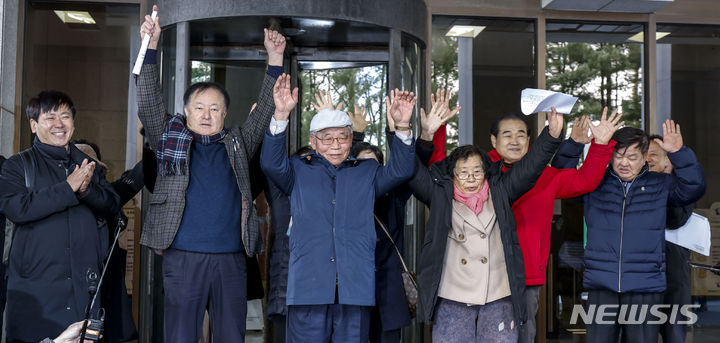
(694, 235)
(539, 100)
(143, 49)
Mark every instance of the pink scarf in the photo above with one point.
(474, 201)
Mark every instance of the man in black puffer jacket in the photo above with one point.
(677, 257)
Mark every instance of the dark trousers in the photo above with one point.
(528, 331)
(3, 294)
(673, 333)
(278, 331)
(195, 282)
(390, 336)
(601, 333)
(377, 333)
(328, 323)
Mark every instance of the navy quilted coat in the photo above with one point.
(625, 249)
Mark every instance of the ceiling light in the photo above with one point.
(464, 31)
(640, 37)
(75, 17)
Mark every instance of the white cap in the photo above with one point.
(329, 118)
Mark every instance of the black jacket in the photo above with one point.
(434, 187)
(677, 270)
(390, 208)
(56, 241)
(119, 324)
(279, 255)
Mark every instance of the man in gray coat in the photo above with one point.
(200, 216)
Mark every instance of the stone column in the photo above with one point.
(8, 59)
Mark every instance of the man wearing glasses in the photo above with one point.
(331, 276)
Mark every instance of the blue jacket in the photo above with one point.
(625, 249)
(332, 241)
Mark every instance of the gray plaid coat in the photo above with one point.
(167, 203)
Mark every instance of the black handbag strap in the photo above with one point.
(29, 167)
(384, 228)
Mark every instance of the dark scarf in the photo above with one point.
(56, 153)
(494, 156)
(174, 144)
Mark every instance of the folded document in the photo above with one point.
(694, 235)
(539, 100)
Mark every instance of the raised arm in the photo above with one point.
(439, 114)
(273, 154)
(151, 108)
(359, 123)
(577, 182)
(687, 184)
(259, 119)
(421, 183)
(400, 166)
(571, 149)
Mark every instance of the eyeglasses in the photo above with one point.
(465, 175)
(329, 140)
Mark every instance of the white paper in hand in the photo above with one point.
(143, 50)
(539, 100)
(694, 235)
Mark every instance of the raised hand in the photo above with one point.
(151, 27)
(579, 131)
(325, 101)
(672, 138)
(401, 109)
(285, 98)
(555, 123)
(389, 100)
(359, 123)
(603, 131)
(275, 47)
(439, 114)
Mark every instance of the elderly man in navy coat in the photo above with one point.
(332, 240)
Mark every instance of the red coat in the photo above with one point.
(534, 210)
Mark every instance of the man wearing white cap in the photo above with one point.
(331, 276)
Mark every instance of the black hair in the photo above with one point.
(653, 137)
(89, 143)
(495, 127)
(362, 146)
(303, 150)
(464, 152)
(47, 101)
(629, 136)
(200, 87)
